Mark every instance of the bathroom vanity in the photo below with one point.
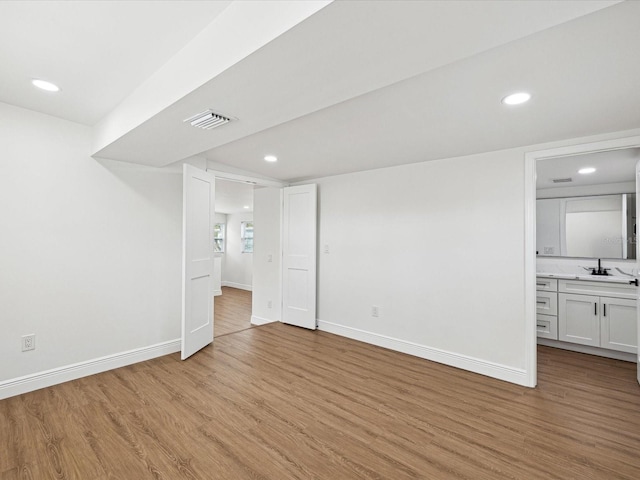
(587, 314)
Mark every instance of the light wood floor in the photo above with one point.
(279, 402)
(232, 311)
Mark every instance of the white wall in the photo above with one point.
(238, 267)
(267, 265)
(91, 251)
(438, 247)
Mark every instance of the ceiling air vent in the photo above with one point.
(561, 180)
(208, 120)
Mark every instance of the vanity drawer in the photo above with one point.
(547, 284)
(603, 289)
(546, 303)
(547, 326)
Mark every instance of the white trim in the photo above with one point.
(530, 344)
(241, 286)
(47, 378)
(600, 352)
(217, 293)
(261, 321)
(234, 177)
(476, 365)
(530, 232)
(594, 147)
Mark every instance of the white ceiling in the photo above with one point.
(611, 167)
(97, 52)
(583, 75)
(232, 197)
(345, 50)
(355, 86)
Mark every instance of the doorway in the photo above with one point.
(247, 274)
(233, 261)
(564, 210)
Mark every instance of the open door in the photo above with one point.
(635, 238)
(198, 196)
(299, 256)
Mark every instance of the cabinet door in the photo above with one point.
(579, 319)
(618, 324)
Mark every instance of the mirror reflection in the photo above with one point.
(595, 226)
(586, 205)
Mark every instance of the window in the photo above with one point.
(218, 238)
(246, 237)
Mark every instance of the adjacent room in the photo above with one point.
(233, 261)
(322, 239)
(586, 254)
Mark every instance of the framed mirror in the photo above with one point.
(600, 226)
(586, 205)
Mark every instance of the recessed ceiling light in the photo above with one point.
(516, 98)
(246, 206)
(271, 158)
(586, 170)
(44, 85)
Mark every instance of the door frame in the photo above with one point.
(262, 182)
(531, 158)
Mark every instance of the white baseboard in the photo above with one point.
(600, 352)
(260, 321)
(476, 365)
(35, 381)
(241, 286)
(217, 292)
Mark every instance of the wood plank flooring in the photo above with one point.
(279, 402)
(232, 311)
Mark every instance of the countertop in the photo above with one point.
(591, 278)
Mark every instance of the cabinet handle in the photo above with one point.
(595, 308)
(541, 284)
(604, 309)
(541, 326)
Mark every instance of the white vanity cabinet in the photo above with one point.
(587, 316)
(547, 308)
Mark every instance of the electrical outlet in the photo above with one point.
(28, 342)
(375, 311)
(270, 258)
(326, 248)
(269, 304)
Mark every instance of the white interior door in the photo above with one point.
(635, 235)
(299, 256)
(198, 196)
